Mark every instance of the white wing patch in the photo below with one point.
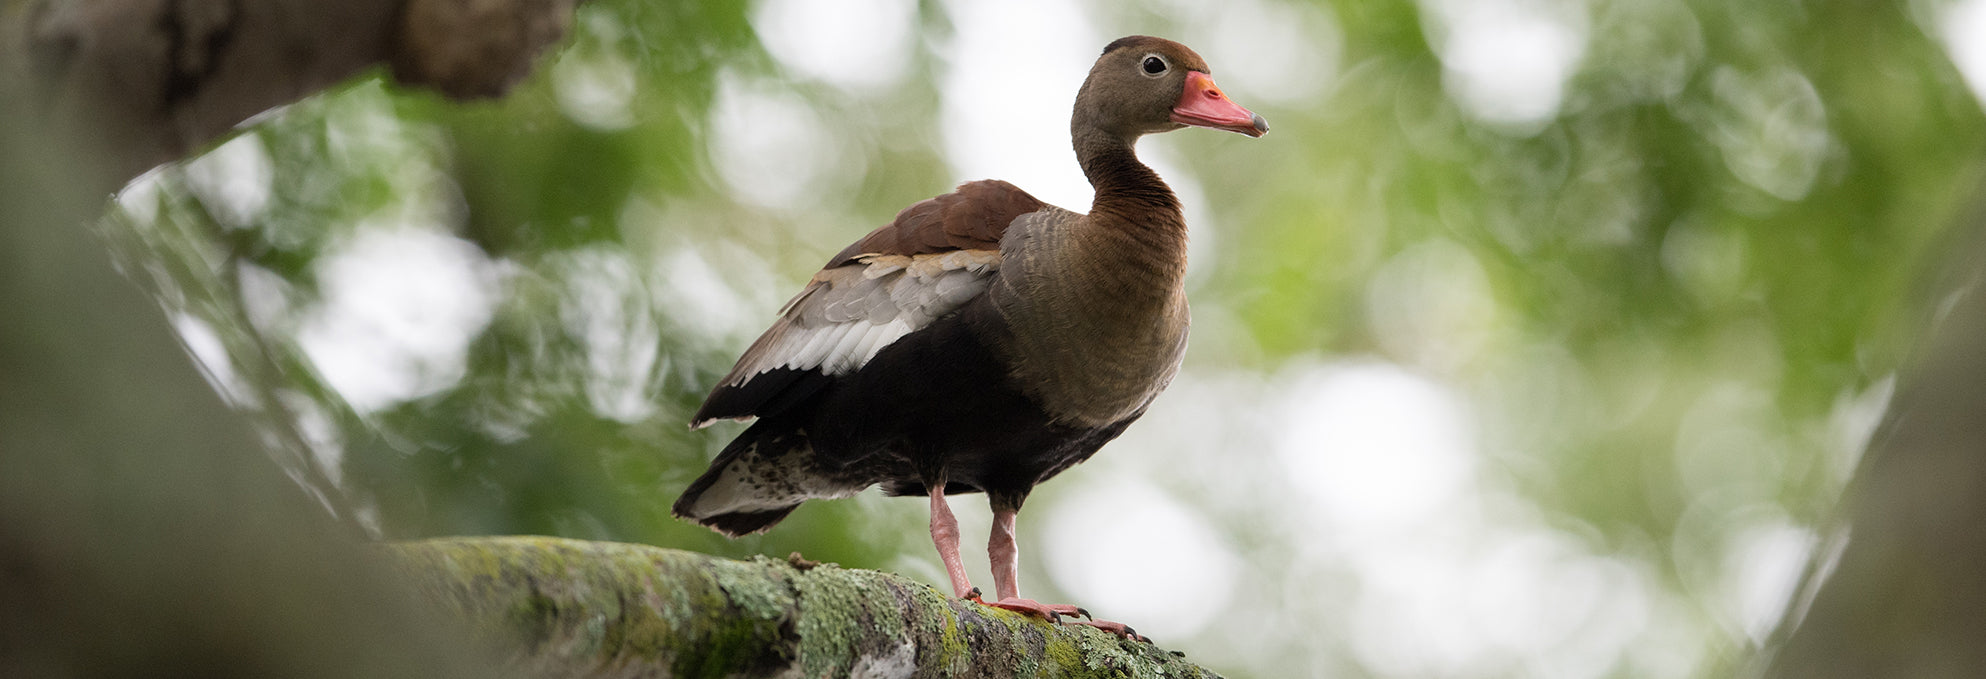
(849, 313)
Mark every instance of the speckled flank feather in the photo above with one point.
(758, 479)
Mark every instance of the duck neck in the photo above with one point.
(1092, 309)
(1129, 195)
(1135, 223)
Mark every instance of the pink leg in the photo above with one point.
(1005, 555)
(1006, 567)
(945, 534)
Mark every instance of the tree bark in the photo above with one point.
(144, 82)
(570, 608)
(1901, 589)
(142, 530)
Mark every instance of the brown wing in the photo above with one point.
(933, 258)
(970, 218)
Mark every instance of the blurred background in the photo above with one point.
(1539, 338)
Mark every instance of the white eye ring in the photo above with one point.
(1145, 66)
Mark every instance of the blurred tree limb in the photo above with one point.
(125, 85)
(1900, 589)
(573, 608)
(143, 532)
(145, 82)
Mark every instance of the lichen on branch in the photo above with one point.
(560, 607)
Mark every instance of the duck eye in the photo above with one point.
(1154, 65)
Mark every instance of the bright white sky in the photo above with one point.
(1507, 61)
(1964, 31)
(1015, 69)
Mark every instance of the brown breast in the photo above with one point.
(1088, 326)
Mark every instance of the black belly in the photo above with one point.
(939, 404)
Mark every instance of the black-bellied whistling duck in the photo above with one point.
(984, 341)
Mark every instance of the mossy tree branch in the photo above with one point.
(561, 607)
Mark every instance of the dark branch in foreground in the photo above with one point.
(144, 82)
(573, 608)
(1897, 590)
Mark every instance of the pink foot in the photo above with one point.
(1055, 612)
(1117, 628)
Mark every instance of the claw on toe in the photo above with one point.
(1056, 613)
(1052, 612)
(1120, 629)
(1061, 614)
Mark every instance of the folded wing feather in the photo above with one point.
(936, 256)
(848, 314)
